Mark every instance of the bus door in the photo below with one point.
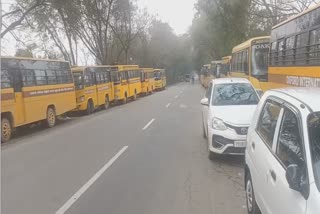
(20, 114)
(91, 86)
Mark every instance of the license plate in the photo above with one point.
(239, 143)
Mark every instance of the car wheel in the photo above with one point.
(252, 205)
(204, 134)
(51, 118)
(6, 129)
(212, 155)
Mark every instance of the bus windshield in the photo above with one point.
(78, 80)
(157, 75)
(260, 59)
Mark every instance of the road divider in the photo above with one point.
(148, 124)
(87, 185)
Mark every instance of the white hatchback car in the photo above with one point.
(228, 108)
(282, 171)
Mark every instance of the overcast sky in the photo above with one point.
(178, 13)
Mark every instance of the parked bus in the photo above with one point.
(147, 81)
(295, 51)
(127, 82)
(250, 60)
(33, 90)
(94, 87)
(226, 65)
(160, 79)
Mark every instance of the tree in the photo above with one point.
(19, 13)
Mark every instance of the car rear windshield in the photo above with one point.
(314, 139)
(234, 94)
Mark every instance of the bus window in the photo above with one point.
(28, 78)
(314, 47)
(5, 79)
(260, 59)
(51, 76)
(41, 78)
(88, 79)
(301, 48)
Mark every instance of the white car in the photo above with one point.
(228, 108)
(282, 171)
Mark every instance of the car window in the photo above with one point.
(314, 139)
(289, 148)
(234, 94)
(268, 122)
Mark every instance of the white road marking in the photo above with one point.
(85, 187)
(168, 105)
(148, 124)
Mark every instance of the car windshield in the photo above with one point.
(78, 80)
(314, 139)
(234, 94)
(260, 59)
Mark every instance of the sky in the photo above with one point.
(178, 13)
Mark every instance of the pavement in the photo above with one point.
(145, 157)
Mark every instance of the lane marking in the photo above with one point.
(85, 187)
(168, 105)
(148, 124)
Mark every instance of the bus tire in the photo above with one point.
(135, 95)
(51, 117)
(89, 108)
(125, 99)
(6, 129)
(107, 103)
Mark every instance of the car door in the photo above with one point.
(260, 144)
(205, 110)
(289, 150)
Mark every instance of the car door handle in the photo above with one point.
(273, 175)
(253, 144)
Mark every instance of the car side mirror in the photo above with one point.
(293, 176)
(205, 102)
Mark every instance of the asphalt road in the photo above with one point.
(146, 157)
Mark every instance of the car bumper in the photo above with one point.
(226, 142)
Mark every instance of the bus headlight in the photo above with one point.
(218, 124)
(81, 99)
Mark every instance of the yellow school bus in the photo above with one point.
(295, 51)
(147, 81)
(94, 87)
(160, 79)
(34, 90)
(250, 60)
(127, 82)
(226, 65)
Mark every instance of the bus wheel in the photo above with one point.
(125, 99)
(6, 129)
(135, 95)
(89, 107)
(107, 103)
(51, 117)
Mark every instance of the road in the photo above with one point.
(148, 156)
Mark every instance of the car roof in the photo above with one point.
(230, 80)
(307, 96)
